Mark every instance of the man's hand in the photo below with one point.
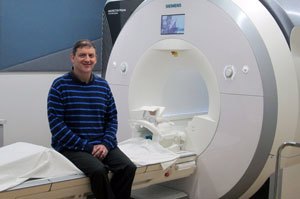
(99, 151)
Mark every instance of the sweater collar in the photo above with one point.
(76, 79)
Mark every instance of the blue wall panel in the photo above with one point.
(30, 29)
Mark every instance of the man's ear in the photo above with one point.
(72, 57)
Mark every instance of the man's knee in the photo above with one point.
(99, 172)
(131, 168)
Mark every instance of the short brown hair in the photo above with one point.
(81, 44)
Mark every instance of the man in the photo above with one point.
(83, 121)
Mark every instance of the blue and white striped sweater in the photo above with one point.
(81, 115)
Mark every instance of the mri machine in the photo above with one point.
(223, 84)
(228, 77)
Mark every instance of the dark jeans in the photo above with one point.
(97, 170)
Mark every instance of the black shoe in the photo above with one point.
(90, 196)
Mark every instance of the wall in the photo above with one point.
(23, 104)
(33, 29)
(36, 37)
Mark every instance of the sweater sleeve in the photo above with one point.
(111, 120)
(62, 135)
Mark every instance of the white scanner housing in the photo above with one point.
(228, 85)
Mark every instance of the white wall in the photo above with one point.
(23, 103)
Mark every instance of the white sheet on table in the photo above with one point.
(145, 152)
(21, 161)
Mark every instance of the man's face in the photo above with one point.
(84, 60)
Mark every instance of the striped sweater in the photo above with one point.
(81, 115)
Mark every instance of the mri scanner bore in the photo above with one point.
(221, 85)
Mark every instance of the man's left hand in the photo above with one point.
(99, 151)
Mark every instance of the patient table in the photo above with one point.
(77, 186)
(35, 172)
